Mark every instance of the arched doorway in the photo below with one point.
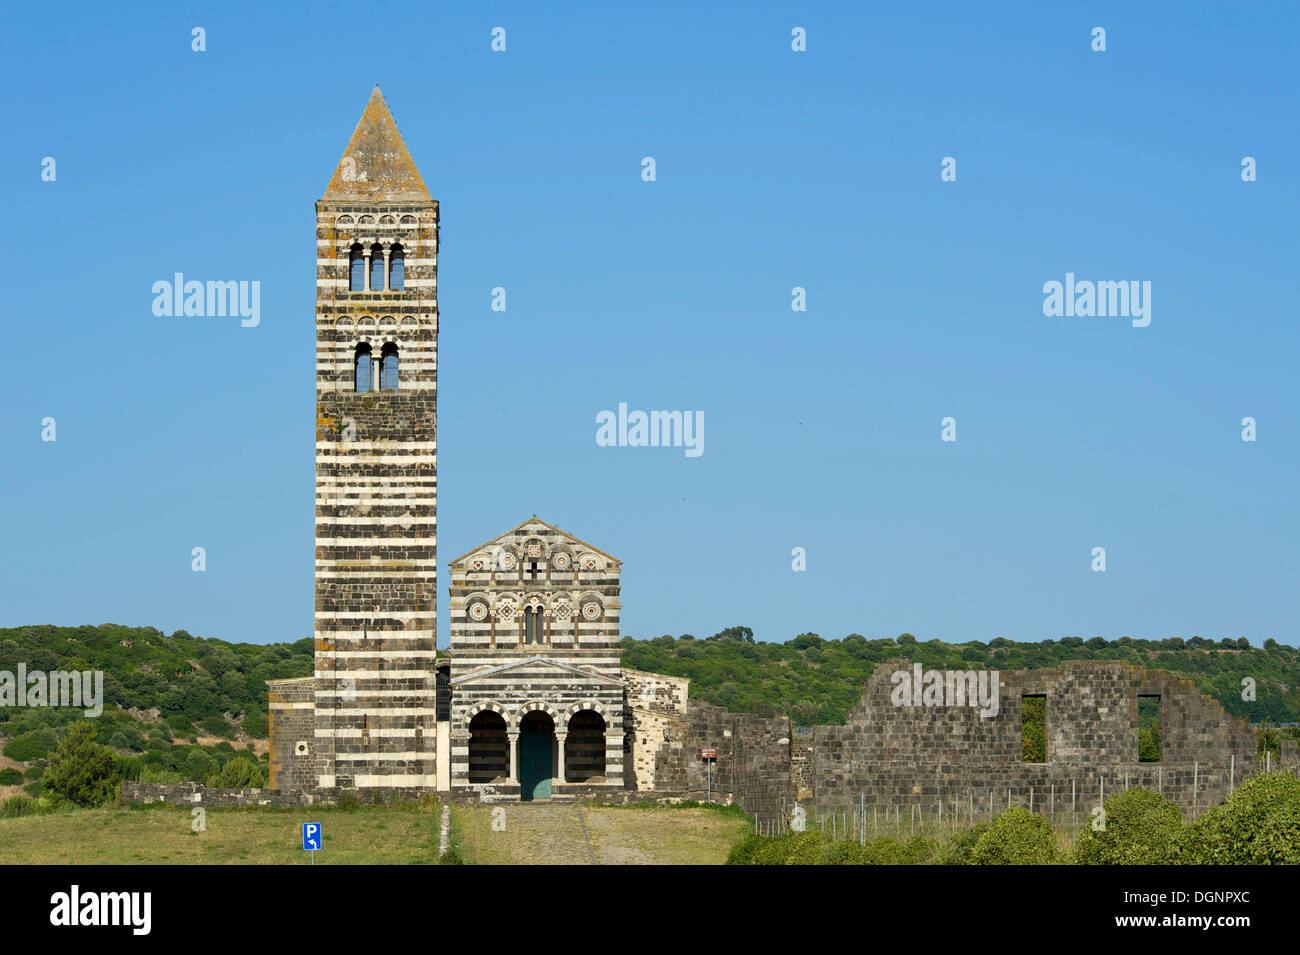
(536, 755)
(585, 748)
(489, 748)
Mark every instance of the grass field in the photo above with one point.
(398, 835)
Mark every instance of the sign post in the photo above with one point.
(709, 755)
(311, 839)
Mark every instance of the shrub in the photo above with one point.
(918, 850)
(1142, 828)
(773, 850)
(962, 847)
(1258, 825)
(742, 853)
(1017, 837)
(238, 773)
(149, 773)
(450, 857)
(11, 777)
(81, 770)
(807, 848)
(31, 745)
(847, 852)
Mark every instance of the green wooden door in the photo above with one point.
(535, 764)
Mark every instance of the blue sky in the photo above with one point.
(774, 169)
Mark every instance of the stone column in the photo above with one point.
(365, 280)
(559, 769)
(514, 741)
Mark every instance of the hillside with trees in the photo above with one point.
(814, 680)
(181, 707)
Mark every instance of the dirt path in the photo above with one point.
(542, 833)
(534, 834)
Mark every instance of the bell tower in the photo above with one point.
(376, 466)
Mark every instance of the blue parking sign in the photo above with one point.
(311, 836)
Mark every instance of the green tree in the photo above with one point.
(81, 770)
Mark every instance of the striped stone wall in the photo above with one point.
(376, 503)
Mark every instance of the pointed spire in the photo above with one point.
(376, 164)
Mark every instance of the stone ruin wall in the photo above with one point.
(904, 759)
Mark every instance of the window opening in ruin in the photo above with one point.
(1033, 729)
(1148, 729)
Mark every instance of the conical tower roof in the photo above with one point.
(376, 165)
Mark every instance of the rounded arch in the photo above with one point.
(489, 744)
(594, 706)
(486, 705)
(535, 706)
(585, 743)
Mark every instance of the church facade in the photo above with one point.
(530, 701)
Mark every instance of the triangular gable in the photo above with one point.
(534, 519)
(556, 664)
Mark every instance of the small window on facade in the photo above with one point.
(356, 270)
(396, 270)
(533, 625)
(376, 269)
(363, 368)
(388, 368)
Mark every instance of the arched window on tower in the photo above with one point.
(388, 368)
(396, 269)
(357, 269)
(363, 367)
(376, 268)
